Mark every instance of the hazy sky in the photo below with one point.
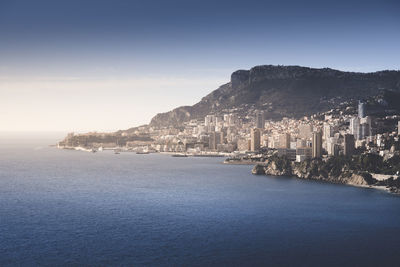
(106, 65)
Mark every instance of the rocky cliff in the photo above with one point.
(314, 169)
(291, 91)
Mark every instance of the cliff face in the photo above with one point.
(314, 169)
(291, 91)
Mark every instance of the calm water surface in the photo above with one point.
(61, 207)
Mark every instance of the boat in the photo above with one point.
(142, 152)
(179, 155)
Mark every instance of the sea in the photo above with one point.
(73, 208)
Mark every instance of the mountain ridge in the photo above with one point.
(284, 91)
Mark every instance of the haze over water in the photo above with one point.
(61, 207)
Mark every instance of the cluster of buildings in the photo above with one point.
(298, 139)
(336, 132)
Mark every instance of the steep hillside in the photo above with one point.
(291, 91)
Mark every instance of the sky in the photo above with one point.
(108, 65)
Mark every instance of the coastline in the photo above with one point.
(347, 177)
(124, 149)
(264, 168)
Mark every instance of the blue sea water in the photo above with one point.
(69, 208)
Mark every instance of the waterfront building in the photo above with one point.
(328, 131)
(380, 140)
(398, 127)
(225, 118)
(308, 143)
(366, 119)
(226, 148)
(219, 121)
(300, 158)
(284, 140)
(332, 147)
(231, 120)
(305, 131)
(214, 140)
(231, 134)
(210, 128)
(243, 144)
(222, 137)
(293, 144)
(301, 143)
(355, 128)
(260, 120)
(201, 129)
(349, 144)
(303, 153)
(364, 130)
(317, 145)
(255, 139)
(272, 142)
(287, 152)
(361, 109)
(264, 140)
(209, 120)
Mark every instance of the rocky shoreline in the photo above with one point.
(317, 169)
